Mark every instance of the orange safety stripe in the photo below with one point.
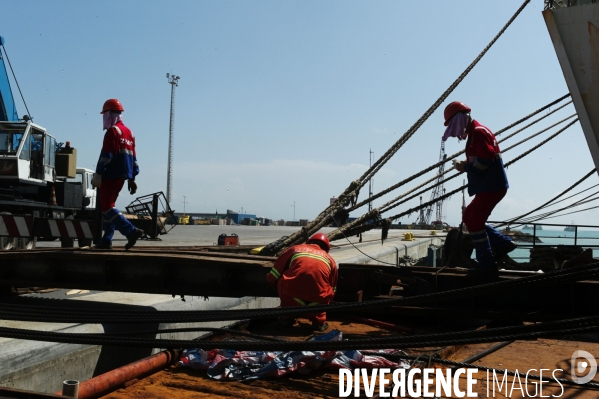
(313, 256)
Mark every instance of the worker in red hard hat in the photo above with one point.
(117, 163)
(487, 182)
(306, 275)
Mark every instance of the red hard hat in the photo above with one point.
(112, 105)
(322, 240)
(453, 108)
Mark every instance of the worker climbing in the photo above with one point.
(117, 163)
(306, 275)
(487, 182)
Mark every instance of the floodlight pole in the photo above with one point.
(174, 82)
(370, 185)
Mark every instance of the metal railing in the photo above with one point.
(550, 239)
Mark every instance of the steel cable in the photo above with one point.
(70, 315)
(551, 104)
(191, 329)
(571, 213)
(551, 200)
(352, 192)
(539, 132)
(447, 195)
(547, 215)
(406, 136)
(519, 157)
(17, 82)
(387, 206)
(471, 337)
(578, 193)
(395, 202)
(500, 131)
(449, 158)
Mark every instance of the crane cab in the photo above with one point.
(27, 154)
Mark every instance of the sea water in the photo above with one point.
(585, 237)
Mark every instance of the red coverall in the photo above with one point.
(117, 163)
(486, 176)
(305, 275)
(488, 183)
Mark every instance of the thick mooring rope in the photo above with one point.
(351, 193)
(519, 157)
(451, 157)
(352, 228)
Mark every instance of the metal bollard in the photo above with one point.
(70, 388)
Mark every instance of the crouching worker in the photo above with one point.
(306, 275)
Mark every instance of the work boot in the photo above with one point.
(103, 245)
(484, 254)
(320, 327)
(133, 237)
(469, 264)
(505, 249)
(484, 273)
(286, 322)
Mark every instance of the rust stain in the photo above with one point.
(185, 383)
(594, 46)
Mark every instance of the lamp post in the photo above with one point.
(370, 184)
(293, 210)
(174, 82)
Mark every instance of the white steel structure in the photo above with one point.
(574, 31)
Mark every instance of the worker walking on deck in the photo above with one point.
(306, 275)
(117, 163)
(487, 182)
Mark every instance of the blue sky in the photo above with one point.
(281, 101)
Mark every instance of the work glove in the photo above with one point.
(97, 180)
(132, 185)
(459, 165)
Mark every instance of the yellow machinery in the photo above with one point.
(408, 237)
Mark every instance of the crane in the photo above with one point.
(8, 109)
(438, 190)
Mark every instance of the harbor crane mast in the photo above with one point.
(438, 190)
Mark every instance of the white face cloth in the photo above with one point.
(457, 126)
(110, 119)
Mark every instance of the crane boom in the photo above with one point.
(8, 110)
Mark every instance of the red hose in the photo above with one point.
(114, 379)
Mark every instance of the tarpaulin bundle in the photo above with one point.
(232, 365)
